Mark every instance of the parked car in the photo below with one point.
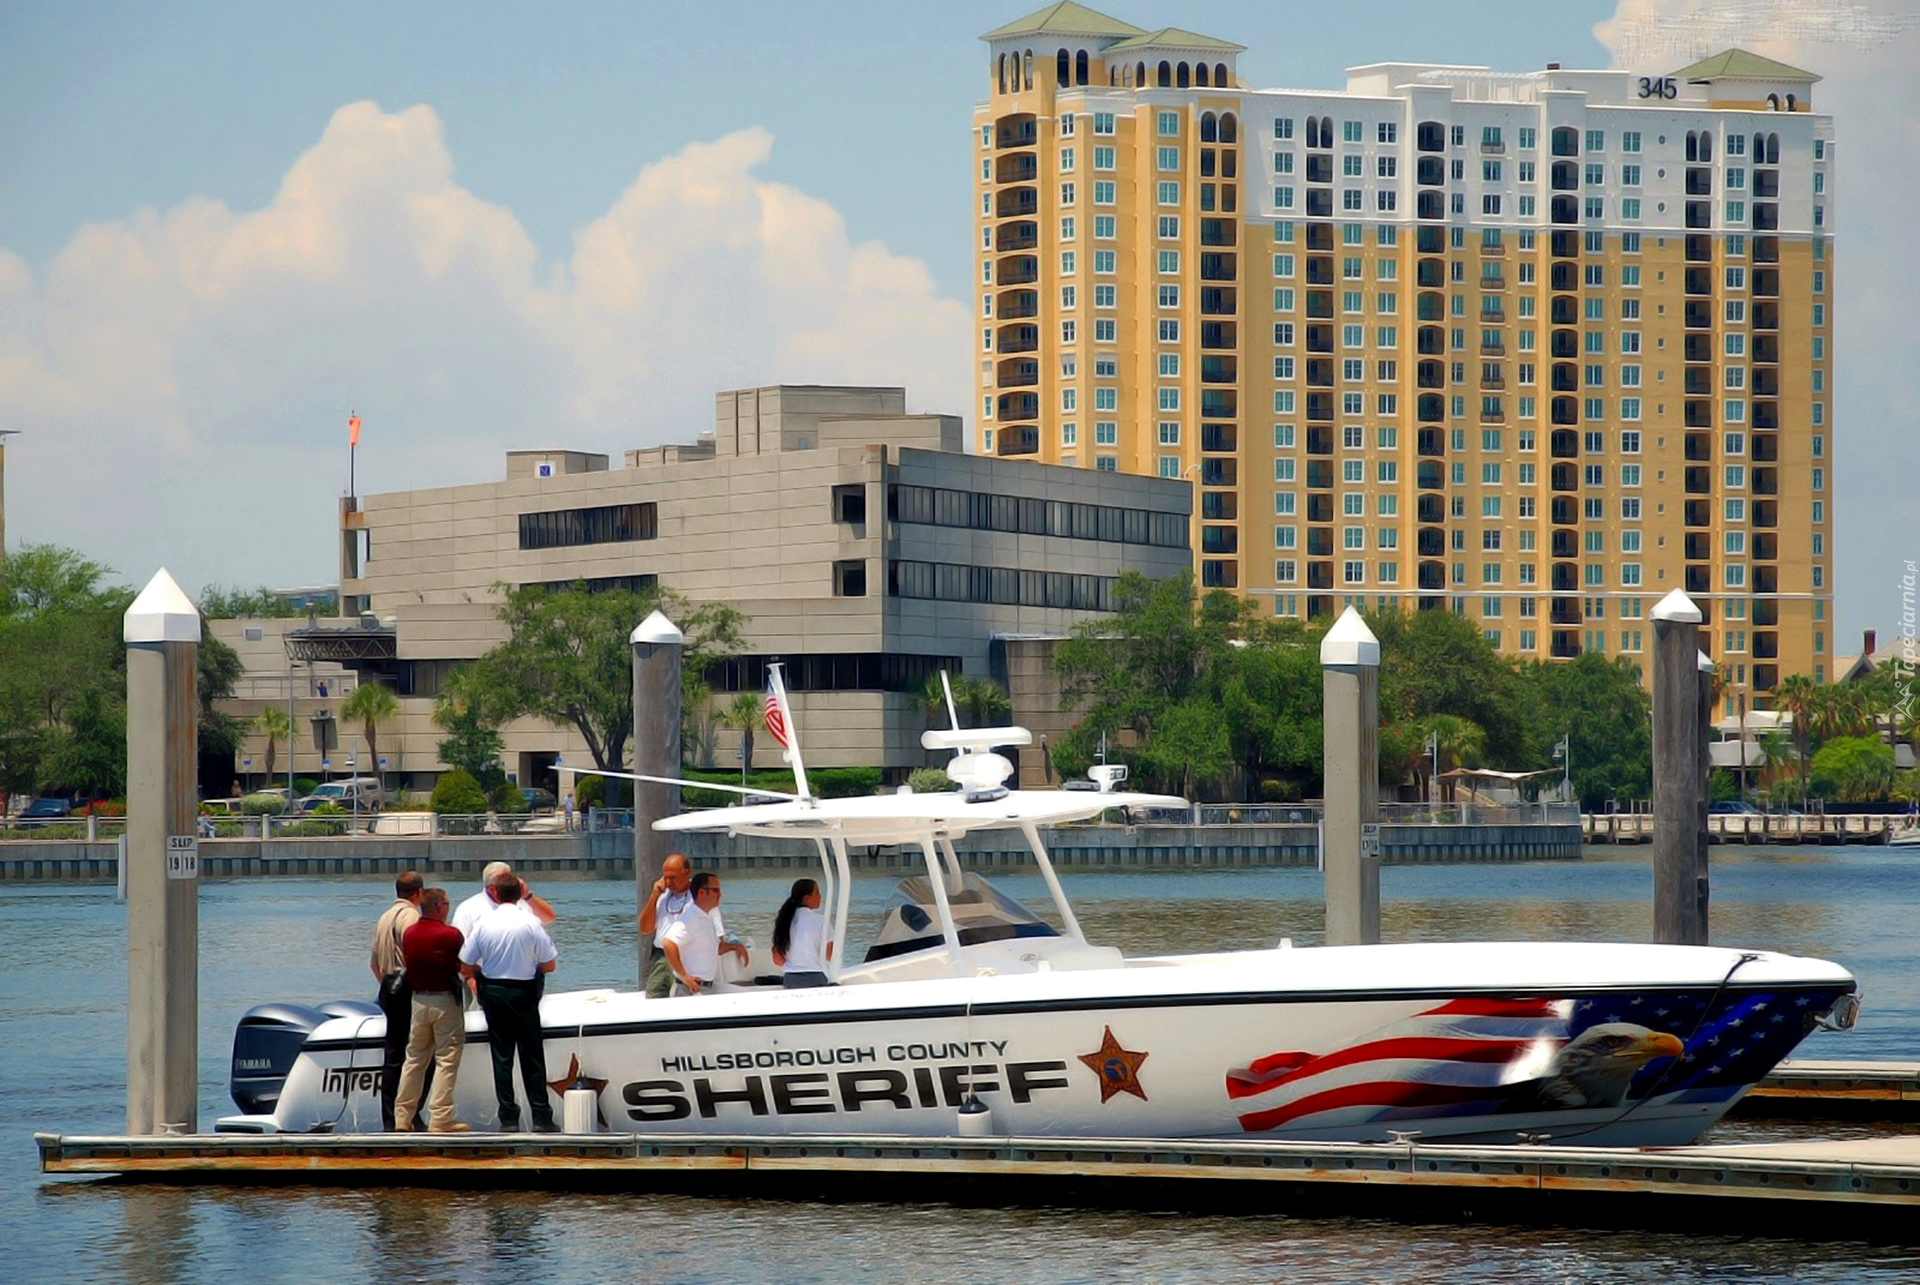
(357, 794)
(46, 809)
(1733, 807)
(539, 800)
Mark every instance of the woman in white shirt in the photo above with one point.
(798, 933)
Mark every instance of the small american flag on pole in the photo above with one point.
(777, 719)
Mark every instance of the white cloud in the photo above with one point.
(1874, 98)
(184, 376)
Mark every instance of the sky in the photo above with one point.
(225, 226)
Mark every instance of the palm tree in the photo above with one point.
(274, 724)
(372, 704)
(1775, 751)
(743, 713)
(1459, 739)
(1798, 696)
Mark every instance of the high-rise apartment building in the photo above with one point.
(1536, 348)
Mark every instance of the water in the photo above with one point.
(63, 1069)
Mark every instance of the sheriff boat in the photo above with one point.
(968, 1014)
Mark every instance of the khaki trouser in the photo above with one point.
(439, 1032)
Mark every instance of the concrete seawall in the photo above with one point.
(611, 853)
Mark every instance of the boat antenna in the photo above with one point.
(953, 715)
(780, 724)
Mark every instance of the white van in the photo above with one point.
(356, 794)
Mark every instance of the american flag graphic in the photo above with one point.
(1480, 1056)
(1451, 1060)
(777, 719)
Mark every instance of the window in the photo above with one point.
(1106, 399)
(1169, 399)
(1169, 432)
(1388, 132)
(1169, 227)
(1104, 330)
(1169, 261)
(1283, 198)
(1103, 158)
(1169, 193)
(1105, 433)
(1596, 140)
(1066, 160)
(1350, 166)
(1066, 194)
(1169, 124)
(1103, 122)
(1350, 132)
(1167, 158)
(1169, 365)
(1353, 573)
(1169, 296)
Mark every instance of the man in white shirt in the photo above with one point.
(470, 910)
(693, 944)
(507, 957)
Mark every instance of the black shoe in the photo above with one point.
(548, 1127)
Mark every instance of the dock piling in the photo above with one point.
(658, 649)
(1679, 779)
(1350, 672)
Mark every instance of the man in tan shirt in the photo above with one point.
(396, 997)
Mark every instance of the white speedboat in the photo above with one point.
(1907, 836)
(967, 1013)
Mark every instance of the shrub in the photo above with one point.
(103, 808)
(256, 805)
(929, 780)
(589, 792)
(304, 786)
(328, 810)
(507, 798)
(457, 793)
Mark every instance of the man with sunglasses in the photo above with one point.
(692, 945)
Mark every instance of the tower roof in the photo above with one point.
(1176, 38)
(1738, 64)
(1065, 19)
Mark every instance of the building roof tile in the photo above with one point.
(1065, 19)
(1738, 64)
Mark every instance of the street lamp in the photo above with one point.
(1433, 753)
(1563, 754)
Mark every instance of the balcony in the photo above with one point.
(1320, 372)
(1319, 238)
(1319, 441)
(1431, 136)
(1766, 185)
(1699, 181)
(1016, 202)
(1319, 508)
(1699, 316)
(1012, 407)
(1320, 475)
(1564, 276)
(1699, 214)
(1766, 283)
(1764, 448)
(1219, 301)
(1699, 281)
(1565, 611)
(1491, 310)
(1017, 373)
(1219, 539)
(1320, 408)
(1429, 476)
(1431, 443)
(1699, 481)
(1566, 209)
(1765, 481)
(1765, 249)
(1430, 408)
(1430, 240)
(1430, 205)
(1565, 477)
(1765, 677)
(1699, 513)
(1219, 575)
(1765, 383)
(1699, 580)
(1766, 547)
(1565, 577)
(1564, 444)
(1766, 416)
(1565, 510)
(1566, 645)
(1319, 339)
(1564, 345)
(1766, 217)
(1016, 132)
(1219, 403)
(1766, 316)
(1319, 168)
(1430, 306)
(1017, 441)
(1766, 613)
(1699, 249)
(1766, 580)
(1219, 473)
(1764, 513)
(1219, 506)
(1699, 546)
(1431, 542)
(1320, 607)
(1215, 266)
(1015, 304)
(1431, 510)
(1016, 169)
(1765, 349)
(1015, 339)
(1217, 336)
(1320, 305)
(1432, 575)
(1319, 542)
(1492, 348)
(1219, 370)
(1430, 274)
(1565, 245)
(1219, 232)
(1698, 381)
(1766, 646)
(1430, 374)
(1017, 271)
(1017, 236)
(1564, 310)
(1564, 176)
(1319, 202)
(1219, 438)
(1564, 378)
(1566, 141)
(1566, 544)
(1319, 575)
(1431, 171)
(1699, 348)
(1699, 448)
(1566, 410)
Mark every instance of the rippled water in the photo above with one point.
(62, 1069)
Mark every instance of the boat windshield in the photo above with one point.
(981, 912)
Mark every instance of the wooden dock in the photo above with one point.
(1882, 1092)
(1862, 1187)
(1755, 828)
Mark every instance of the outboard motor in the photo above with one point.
(265, 1046)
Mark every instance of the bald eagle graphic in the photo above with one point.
(1594, 1068)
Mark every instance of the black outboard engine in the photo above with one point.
(265, 1046)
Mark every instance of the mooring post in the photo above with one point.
(1703, 833)
(658, 648)
(1350, 670)
(1679, 793)
(162, 633)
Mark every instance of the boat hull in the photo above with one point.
(1616, 1045)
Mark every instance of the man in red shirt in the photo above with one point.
(439, 1032)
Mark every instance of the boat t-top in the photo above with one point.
(969, 1014)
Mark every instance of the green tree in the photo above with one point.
(372, 703)
(90, 756)
(473, 743)
(1798, 695)
(273, 723)
(61, 660)
(742, 714)
(1190, 746)
(568, 661)
(1776, 751)
(1599, 705)
(1437, 663)
(219, 670)
(218, 603)
(1856, 768)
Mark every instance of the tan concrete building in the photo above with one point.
(867, 549)
(1535, 348)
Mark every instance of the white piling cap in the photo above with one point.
(659, 631)
(1676, 606)
(1350, 642)
(1705, 663)
(161, 614)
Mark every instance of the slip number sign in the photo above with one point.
(183, 856)
(1370, 840)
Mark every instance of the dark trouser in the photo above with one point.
(513, 1027)
(396, 1001)
(804, 981)
(660, 977)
